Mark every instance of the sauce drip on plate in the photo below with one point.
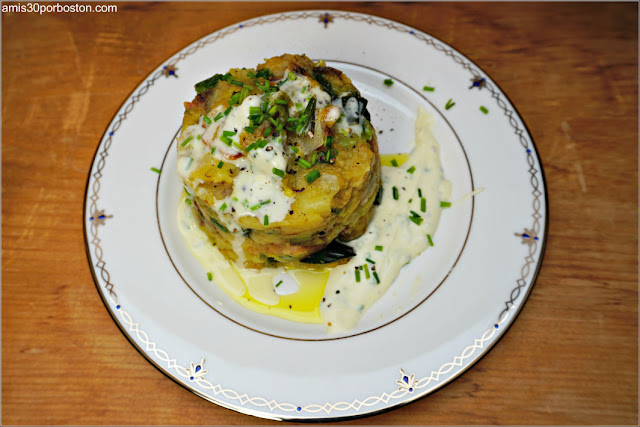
(403, 226)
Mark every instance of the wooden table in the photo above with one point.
(571, 69)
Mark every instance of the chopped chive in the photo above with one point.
(226, 140)
(266, 220)
(445, 204)
(279, 283)
(272, 110)
(220, 164)
(228, 133)
(262, 143)
(429, 239)
(281, 101)
(295, 149)
(206, 119)
(218, 117)
(235, 98)
(394, 163)
(238, 146)
(428, 88)
(484, 109)
(395, 193)
(227, 111)
(223, 207)
(304, 89)
(265, 202)
(375, 275)
(370, 260)
(156, 170)
(250, 147)
(267, 131)
(330, 153)
(357, 275)
(366, 272)
(213, 150)
(314, 158)
(298, 105)
(306, 116)
(419, 192)
(302, 162)
(255, 207)
(251, 75)
(291, 75)
(388, 82)
(278, 172)
(412, 169)
(247, 87)
(198, 136)
(186, 141)
(312, 176)
(378, 248)
(250, 129)
(254, 110)
(450, 104)
(209, 276)
(236, 82)
(188, 202)
(415, 218)
(423, 204)
(328, 141)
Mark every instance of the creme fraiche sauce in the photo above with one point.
(403, 226)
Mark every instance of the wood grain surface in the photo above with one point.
(571, 69)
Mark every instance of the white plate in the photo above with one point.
(445, 310)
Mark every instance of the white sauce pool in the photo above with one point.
(346, 299)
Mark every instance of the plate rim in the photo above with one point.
(316, 13)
